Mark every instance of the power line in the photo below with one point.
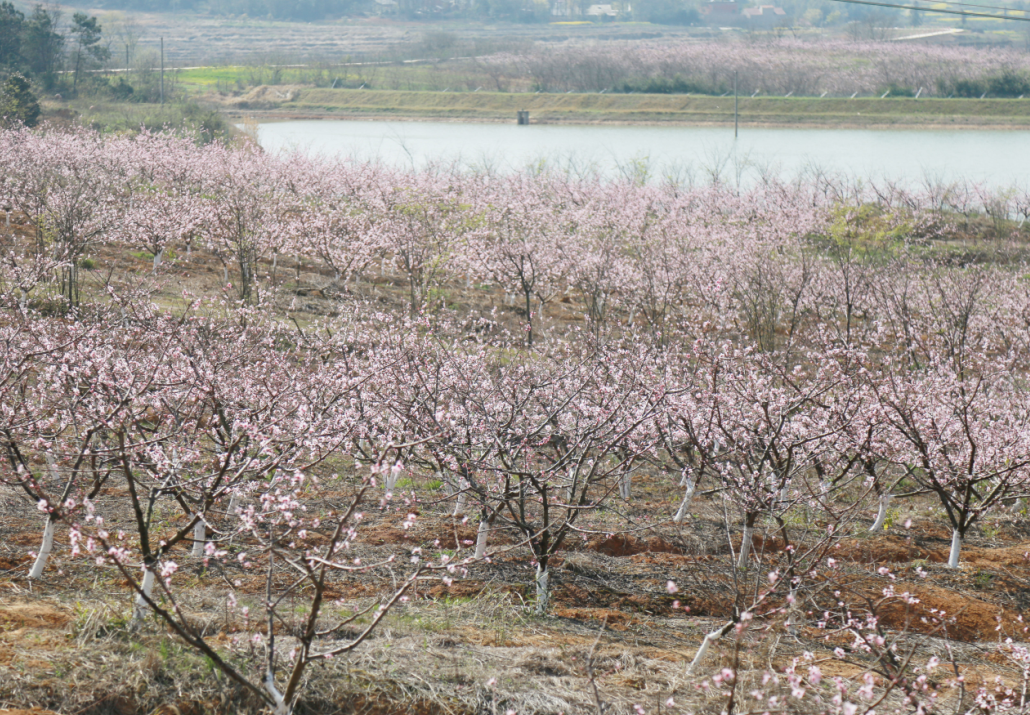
(972, 4)
(918, 8)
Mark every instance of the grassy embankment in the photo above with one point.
(283, 102)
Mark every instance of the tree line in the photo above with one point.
(40, 46)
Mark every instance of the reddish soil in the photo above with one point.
(629, 545)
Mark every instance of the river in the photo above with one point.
(912, 157)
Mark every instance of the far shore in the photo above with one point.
(266, 104)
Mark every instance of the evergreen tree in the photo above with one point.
(12, 25)
(88, 52)
(42, 45)
(18, 105)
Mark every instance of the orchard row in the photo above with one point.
(793, 348)
(767, 67)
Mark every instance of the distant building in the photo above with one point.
(605, 12)
(722, 12)
(764, 17)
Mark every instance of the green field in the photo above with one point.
(630, 108)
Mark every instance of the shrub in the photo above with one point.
(18, 105)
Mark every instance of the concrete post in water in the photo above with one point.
(522, 116)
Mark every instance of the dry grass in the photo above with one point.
(65, 644)
(298, 101)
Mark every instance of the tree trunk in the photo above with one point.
(485, 526)
(543, 590)
(140, 610)
(956, 547)
(709, 639)
(199, 538)
(681, 513)
(529, 319)
(281, 707)
(44, 550)
(745, 547)
(881, 515)
(625, 486)
(51, 525)
(459, 505)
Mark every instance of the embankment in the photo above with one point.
(269, 102)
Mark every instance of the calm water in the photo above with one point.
(997, 158)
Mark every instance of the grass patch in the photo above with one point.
(659, 108)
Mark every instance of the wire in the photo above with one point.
(897, 6)
(972, 4)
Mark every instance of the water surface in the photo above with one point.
(997, 158)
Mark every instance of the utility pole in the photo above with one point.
(735, 104)
(162, 69)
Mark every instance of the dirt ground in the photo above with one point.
(615, 636)
(476, 644)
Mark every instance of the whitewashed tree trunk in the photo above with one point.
(157, 258)
(881, 515)
(745, 547)
(956, 547)
(792, 612)
(543, 591)
(709, 639)
(625, 486)
(485, 526)
(199, 538)
(140, 610)
(44, 550)
(688, 497)
(48, 530)
(281, 707)
(459, 504)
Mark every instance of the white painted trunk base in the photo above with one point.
(881, 515)
(459, 505)
(482, 537)
(956, 547)
(745, 547)
(625, 486)
(281, 707)
(44, 550)
(688, 497)
(199, 538)
(703, 650)
(48, 531)
(543, 592)
(140, 610)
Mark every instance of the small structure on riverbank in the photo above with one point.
(764, 17)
